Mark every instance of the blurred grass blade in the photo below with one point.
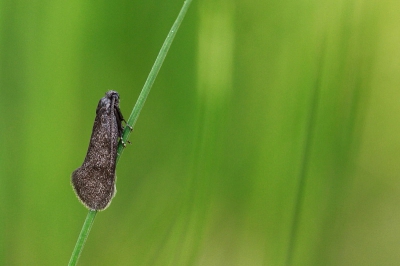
(299, 199)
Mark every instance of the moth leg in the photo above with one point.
(126, 125)
(123, 142)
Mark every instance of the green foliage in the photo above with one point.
(213, 173)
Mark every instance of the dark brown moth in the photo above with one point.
(94, 181)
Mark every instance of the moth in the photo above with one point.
(94, 181)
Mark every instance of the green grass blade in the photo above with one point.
(152, 76)
(132, 121)
(87, 225)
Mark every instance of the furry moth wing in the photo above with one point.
(94, 181)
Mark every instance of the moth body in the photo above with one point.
(94, 181)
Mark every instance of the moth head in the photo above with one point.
(113, 96)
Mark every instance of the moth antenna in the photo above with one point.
(111, 126)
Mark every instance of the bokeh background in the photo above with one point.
(271, 135)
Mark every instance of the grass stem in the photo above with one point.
(87, 225)
(132, 121)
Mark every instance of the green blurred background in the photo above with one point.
(270, 137)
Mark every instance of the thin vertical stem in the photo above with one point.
(152, 76)
(131, 122)
(82, 237)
